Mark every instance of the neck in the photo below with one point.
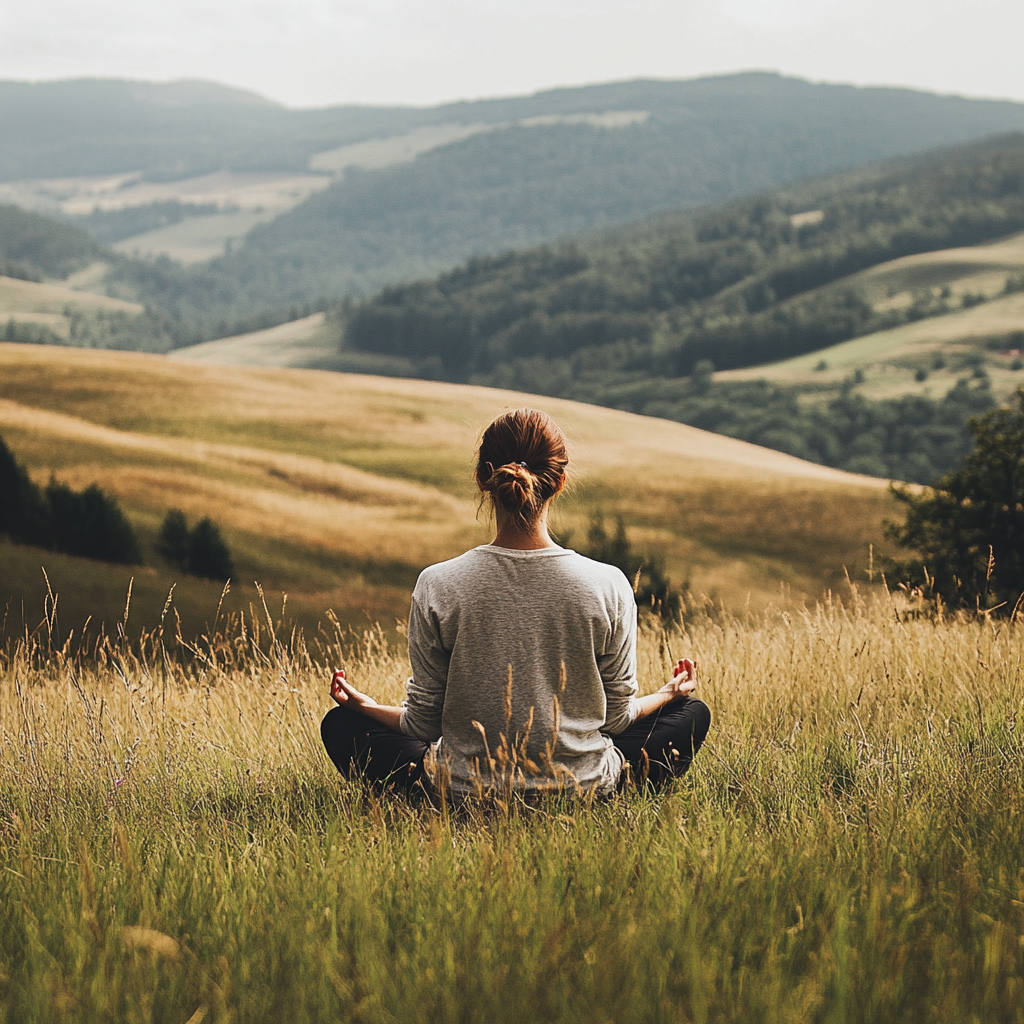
(509, 535)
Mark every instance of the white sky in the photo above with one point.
(319, 52)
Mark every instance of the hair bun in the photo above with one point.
(513, 485)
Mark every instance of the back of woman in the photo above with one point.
(523, 657)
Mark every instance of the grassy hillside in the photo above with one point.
(307, 343)
(194, 239)
(925, 357)
(337, 489)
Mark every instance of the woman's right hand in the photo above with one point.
(344, 693)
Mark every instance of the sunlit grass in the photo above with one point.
(847, 847)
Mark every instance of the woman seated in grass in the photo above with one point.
(523, 658)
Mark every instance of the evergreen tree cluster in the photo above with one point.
(91, 524)
(86, 523)
(199, 551)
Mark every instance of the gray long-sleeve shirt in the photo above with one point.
(562, 627)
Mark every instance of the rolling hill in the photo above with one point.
(337, 489)
(746, 283)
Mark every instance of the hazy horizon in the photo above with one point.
(399, 52)
(507, 95)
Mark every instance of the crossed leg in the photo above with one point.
(657, 748)
(359, 746)
(661, 746)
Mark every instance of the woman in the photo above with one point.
(523, 657)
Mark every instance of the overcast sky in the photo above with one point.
(319, 52)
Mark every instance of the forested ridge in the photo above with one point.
(177, 129)
(738, 285)
(705, 142)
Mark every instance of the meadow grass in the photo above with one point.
(307, 342)
(175, 846)
(31, 297)
(195, 239)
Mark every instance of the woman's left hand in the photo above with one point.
(345, 693)
(683, 681)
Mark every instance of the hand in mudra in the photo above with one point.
(345, 694)
(684, 679)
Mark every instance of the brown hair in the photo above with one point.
(521, 463)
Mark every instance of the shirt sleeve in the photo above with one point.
(425, 690)
(618, 669)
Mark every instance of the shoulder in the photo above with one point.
(450, 572)
(565, 570)
(601, 576)
(599, 572)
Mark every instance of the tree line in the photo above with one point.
(91, 524)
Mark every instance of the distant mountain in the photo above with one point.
(101, 126)
(171, 130)
(542, 171)
(525, 170)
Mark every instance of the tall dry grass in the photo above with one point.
(174, 844)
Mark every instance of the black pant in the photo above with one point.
(656, 749)
(661, 746)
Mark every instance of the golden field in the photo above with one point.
(337, 489)
(175, 845)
